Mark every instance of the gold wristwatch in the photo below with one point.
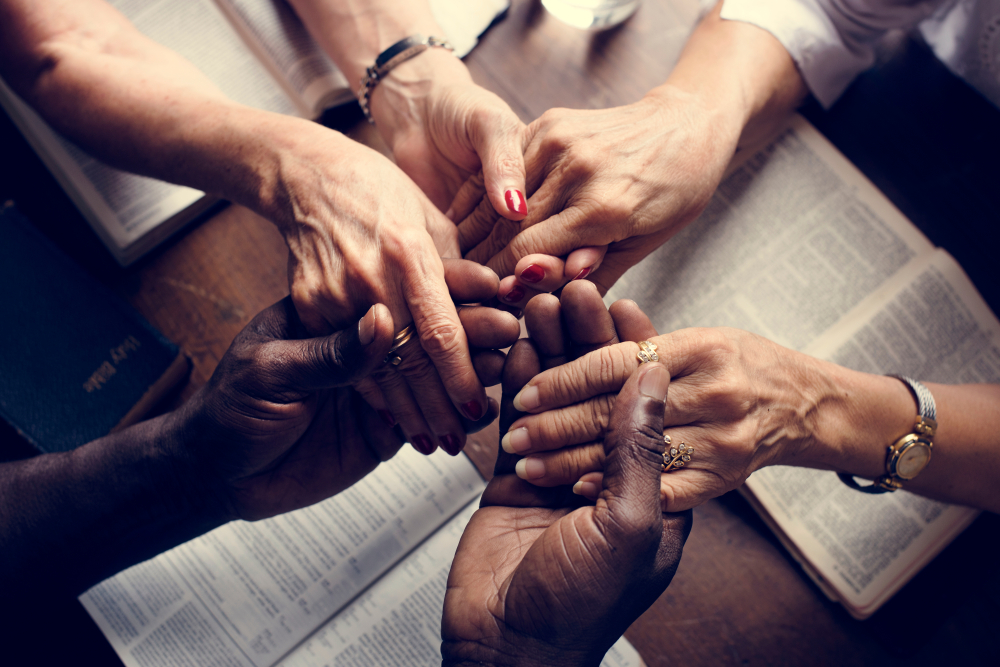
(910, 454)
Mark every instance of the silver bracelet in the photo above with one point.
(398, 53)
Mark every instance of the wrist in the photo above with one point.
(858, 416)
(400, 103)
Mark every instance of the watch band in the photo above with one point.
(398, 53)
(923, 431)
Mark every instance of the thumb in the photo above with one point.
(336, 360)
(499, 146)
(634, 452)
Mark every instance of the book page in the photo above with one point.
(283, 43)
(932, 325)
(792, 240)
(122, 207)
(398, 620)
(246, 593)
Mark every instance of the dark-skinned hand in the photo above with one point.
(538, 578)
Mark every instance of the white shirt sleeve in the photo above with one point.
(831, 41)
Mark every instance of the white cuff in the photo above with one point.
(827, 64)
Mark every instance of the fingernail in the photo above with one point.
(516, 312)
(530, 468)
(516, 442)
(654, 383)
(515, 202)
(450, 444)
(473, 410)
(515, 295)
(586, 489)
(423, 444)
(366, 327)
(533, 274)
(527, 399)
(583, 274)
(450, 214)
(387, 418)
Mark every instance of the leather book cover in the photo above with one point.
(76, 362)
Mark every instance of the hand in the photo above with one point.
(278, 426)
(359, 233)
(740, 400)
(537, 580)
(621, 180)
(449, 134)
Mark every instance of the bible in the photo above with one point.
(259, 54)
(798, 246)
(358, 579)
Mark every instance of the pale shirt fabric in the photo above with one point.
(832, 41)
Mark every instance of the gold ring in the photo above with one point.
(675, 457)
(647, 352)
(401, 339)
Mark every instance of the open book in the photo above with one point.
(358, 579)
(258, 53)
(798, 246)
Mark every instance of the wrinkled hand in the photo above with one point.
(740, 400)
(360, 232)
(621, 180)
(539, 581)
(278, 426)
(449, 134)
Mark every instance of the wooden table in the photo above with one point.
(738, 598)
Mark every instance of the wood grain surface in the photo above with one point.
(738, 598)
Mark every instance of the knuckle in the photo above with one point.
(441, 337)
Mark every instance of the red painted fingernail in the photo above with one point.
(515, 295)
(387, 418)
(583, 274)
(515, 202)
(473, 410)
(423, 444)
(450, 444)
(533, 274)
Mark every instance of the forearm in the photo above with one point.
(69, 520)
(861, 414)
(143, 108)
(739, 73)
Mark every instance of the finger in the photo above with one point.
(492, 411)
(404, 408)
(475, 231)
(515, 295)
(583, 261)
(332, 361)
(498, 141)
(602, 371)
(590, 485)
(430, 395)
(443, 339)
(563, 466)
(557, 236)
(630, 322)
(489, 366)
(489, 328)
(369, 390)
(543, 321)
(469, 282)
(521, 365)
(469, 195)
(542, 273)
(589, 326)
(576, 424)
(634, 455)
(379, 437)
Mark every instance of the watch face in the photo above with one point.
(912, 459)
